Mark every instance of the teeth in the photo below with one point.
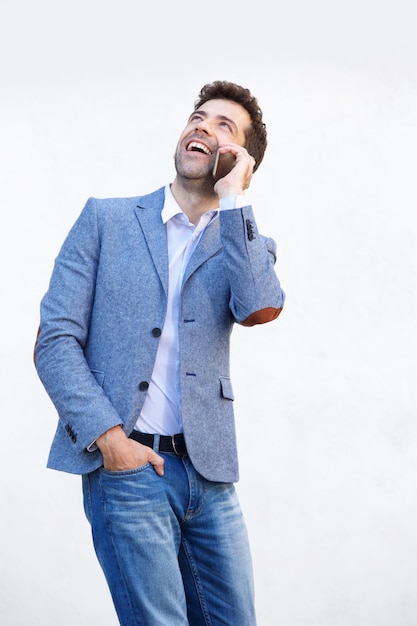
(195, 145)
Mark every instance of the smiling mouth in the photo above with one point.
(196, 146)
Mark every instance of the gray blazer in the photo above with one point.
(108, 293)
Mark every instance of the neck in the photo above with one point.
(194, 197)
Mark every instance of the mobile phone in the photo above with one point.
(223, 164)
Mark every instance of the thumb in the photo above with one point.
(157, 462)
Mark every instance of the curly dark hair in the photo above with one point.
(256, 140)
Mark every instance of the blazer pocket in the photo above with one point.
(226, 388)
(99, 376)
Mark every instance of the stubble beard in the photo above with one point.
(192, 171)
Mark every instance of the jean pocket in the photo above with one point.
(129, 472)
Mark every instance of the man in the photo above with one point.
(133, 350)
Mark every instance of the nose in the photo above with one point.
(204, 127)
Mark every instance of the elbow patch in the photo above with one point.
(262, 316)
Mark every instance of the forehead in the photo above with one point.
(228, 109)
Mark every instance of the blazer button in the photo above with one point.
(156, 332)
(143, 386)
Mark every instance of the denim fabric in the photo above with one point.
(174, 549)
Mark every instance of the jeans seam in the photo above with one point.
(197, 582)
(87, 496)
(132, 619)
(195, 495)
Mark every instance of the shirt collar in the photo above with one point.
(171, 206)
(172, 209)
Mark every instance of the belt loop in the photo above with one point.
(156, 443)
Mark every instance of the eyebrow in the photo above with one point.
(222, 118)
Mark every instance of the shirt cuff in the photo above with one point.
(233, 202)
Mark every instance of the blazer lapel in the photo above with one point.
(208, 245)
(148, 212)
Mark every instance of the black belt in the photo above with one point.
(167, 443)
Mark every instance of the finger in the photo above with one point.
(157, 462)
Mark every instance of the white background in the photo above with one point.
(93, 98)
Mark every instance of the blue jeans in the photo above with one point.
(174, 549)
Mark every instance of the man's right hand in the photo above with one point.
(121, 453)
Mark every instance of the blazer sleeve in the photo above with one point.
(83, 408)
(256, 294)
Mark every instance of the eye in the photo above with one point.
(226, 125)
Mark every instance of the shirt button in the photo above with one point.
(156, 332)
(143, 386)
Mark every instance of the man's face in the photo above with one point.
(216, 123)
